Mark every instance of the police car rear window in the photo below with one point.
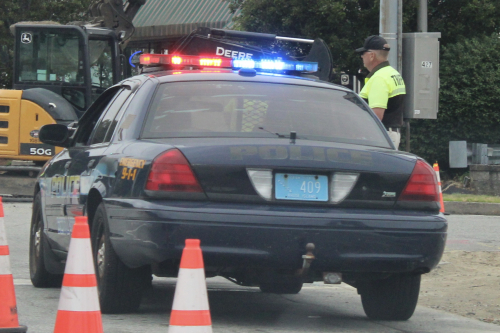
(256, 109)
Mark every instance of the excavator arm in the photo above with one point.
(116, 15)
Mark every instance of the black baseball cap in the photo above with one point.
(374, 43)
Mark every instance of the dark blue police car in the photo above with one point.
(285, 180)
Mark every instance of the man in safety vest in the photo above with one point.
(384, 89)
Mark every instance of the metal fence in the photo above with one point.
(463, 154)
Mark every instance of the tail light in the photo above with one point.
(422, 185)
(171, 172)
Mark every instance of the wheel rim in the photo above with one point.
(38, 238)
(100, 257)
(36, 244)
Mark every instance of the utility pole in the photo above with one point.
(391, 28)
(422, 16)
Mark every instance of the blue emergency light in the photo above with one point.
(276, 65)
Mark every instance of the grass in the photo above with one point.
(471, 198)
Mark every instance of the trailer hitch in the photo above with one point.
(307, 260)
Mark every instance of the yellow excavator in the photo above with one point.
(59, 70)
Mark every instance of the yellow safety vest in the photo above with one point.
(384, 84)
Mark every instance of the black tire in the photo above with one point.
(120, 288)
(39, 275)
(285, 285)
(394, 298)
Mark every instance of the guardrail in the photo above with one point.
(463, 154)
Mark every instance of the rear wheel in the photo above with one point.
(40, 276)
(285, 285)
(120, 288)
(394, 298)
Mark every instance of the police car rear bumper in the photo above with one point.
(232, 235)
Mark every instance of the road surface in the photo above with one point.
(317, 308)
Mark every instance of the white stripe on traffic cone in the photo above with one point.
(190, 311)
(79, 310)
(8, 307)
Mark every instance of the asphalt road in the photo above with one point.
(318, 307)
(473, 233)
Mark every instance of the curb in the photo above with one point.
(471, 208)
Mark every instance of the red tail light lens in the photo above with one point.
(422, 185)
(171, 172)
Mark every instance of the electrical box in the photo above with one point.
(421, 74)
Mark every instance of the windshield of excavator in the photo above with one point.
(46, 56)
(53, 58)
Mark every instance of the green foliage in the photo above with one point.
(469, 73)
(342, 24)
(459, 19)
(14, 11)
(469, 99)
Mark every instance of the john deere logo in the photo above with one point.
(34, 134)
(26, 38)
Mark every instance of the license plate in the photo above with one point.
(291, 186)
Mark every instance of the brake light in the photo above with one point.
(171, 172)
(422, 185)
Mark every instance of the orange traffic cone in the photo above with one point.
(8, 308)
(436, 169)
(79, 310)
(190, 311)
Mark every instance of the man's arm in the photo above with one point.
(379, 112)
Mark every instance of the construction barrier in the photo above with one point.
(8, 307)
(79, 310)
(190, 310)
(436, 169)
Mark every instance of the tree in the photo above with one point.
(14, 11)
(469, 51)
(342, 24)
(468, 102)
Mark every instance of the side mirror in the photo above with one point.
(54, 134)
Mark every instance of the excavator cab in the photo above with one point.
(76, 63)
(58, 72)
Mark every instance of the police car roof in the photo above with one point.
(235, 75)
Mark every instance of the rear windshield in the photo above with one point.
(255, 109)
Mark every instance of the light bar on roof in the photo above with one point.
(270, 65)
